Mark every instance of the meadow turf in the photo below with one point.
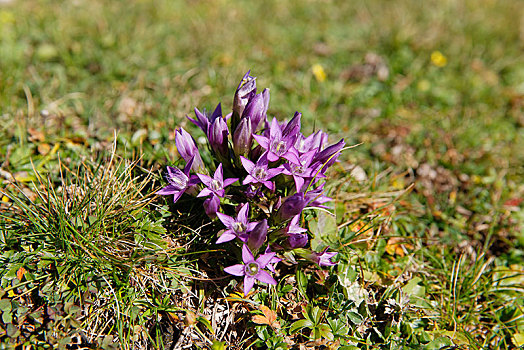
(429, 207)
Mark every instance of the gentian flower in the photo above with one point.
(242, 137)
(216, 184)
(292, 206)
(313, 142)
(302, 171)
(252, 269)
(323, 258)
(329, 155)
(257, 236)
(245, 91)
(203, 120)
(292, 128)
(256, 109)
(277, 145)
(259, 173)
(237, 228)
(187, 148)
(274, 260)
(178, 181)
(211, 205)
(316, 197)
(217, 136)
(295, 233)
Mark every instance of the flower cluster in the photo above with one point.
(263, 175)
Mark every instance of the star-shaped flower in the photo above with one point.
(323, 258)
(252, 269)
(237, 227)
(259, 172)
(179, 181)
(216, 184)
(278, 145)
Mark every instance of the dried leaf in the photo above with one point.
(269, 317)
(20, 273)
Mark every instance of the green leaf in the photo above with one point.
(5, 305)
(218, 345)
(300, 324)
(7, 317)
(302, 282)
(439, 343)
(324, 229)
(206, 323)
(325, 332)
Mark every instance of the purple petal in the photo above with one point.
(258, 235)
(226, 236)
(228, 182)
(248, 284)
(219, 174)
(177, 196)
(211, 205)
(169, 189)
(264, 259)
(248, 165)
(262, 141)
(206, 180)
(249, 179)
(205, 192)
(275, 132)
(270, 185)
(264, 276)
(237, 270)
(227, 220)
(272, 157)
(243, 213)
(247, 256)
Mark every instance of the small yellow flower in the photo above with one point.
(319, 72)
(438, 59)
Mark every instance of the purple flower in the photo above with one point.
(277, 145)
(257, 236)
(256, 109)
(316, 197)
(296, 236)
(237, 228)
(292, 128)
(313, 142)
(302, 171)
(242, 137)
(252, 269)
(274, 260)
(245, 91)
(259, 173)
(187, 148)
(329, 155)
(216, 184)
(323, 258)
(292, 206)
(217, 136)
(178, 181)
(211, 205)
(203, 120)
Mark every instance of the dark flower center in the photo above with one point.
(278, 147)
(252, 269)
(259, 173)
(298, 169)
(239, 227)
(215, 185)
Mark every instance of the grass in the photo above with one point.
(430, 238)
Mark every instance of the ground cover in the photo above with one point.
(428, 207)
